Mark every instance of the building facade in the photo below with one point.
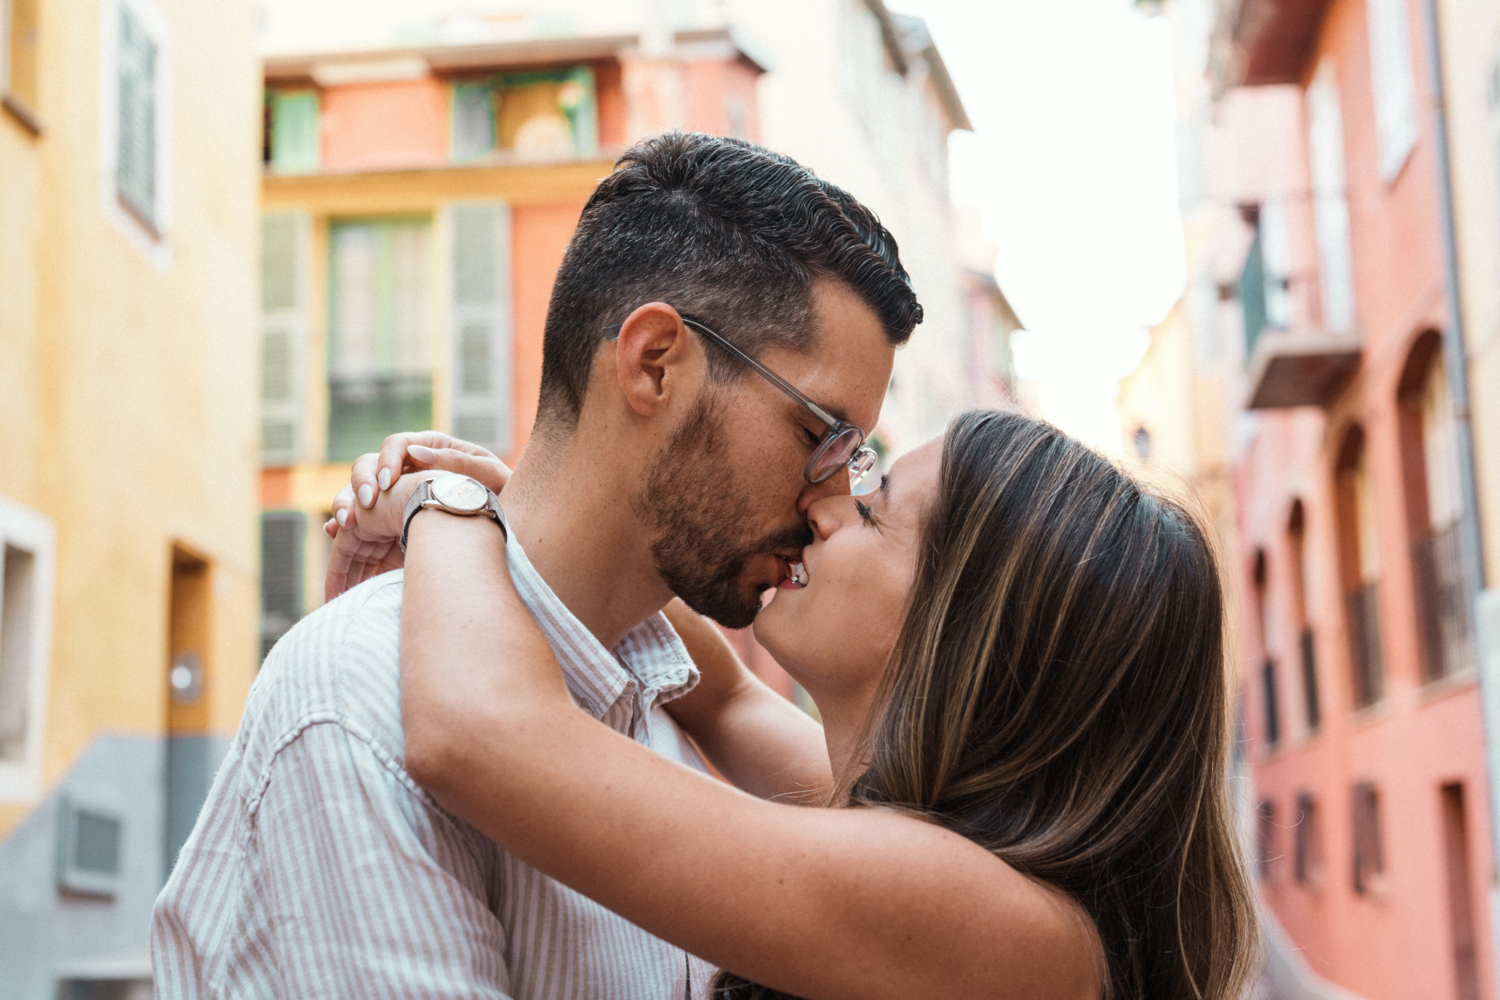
(1322, 280)
(127, 469)
(401, 179)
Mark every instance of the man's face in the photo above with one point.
(725, 496)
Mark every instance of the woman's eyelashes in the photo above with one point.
(865, 514)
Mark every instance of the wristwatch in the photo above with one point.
(455, 494)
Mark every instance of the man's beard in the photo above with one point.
(690, 499)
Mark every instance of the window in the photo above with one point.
(1359, 567)
(26, 554)
(1264, 281)
(283, 533)
(1393, 80)
(1429, 439)
(1268, 663)
(135, 124)
(1265, 839)
(18, 60)
(1325, 150)
(549, 114)
(1369, 863)
(1464, 935)
(293, 144)
(135, 162)
(380, 368)
(480, 334)
(1308, 861)
(1297, 555)
(283, 304)
(1141, 439)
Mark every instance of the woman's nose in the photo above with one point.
(825, 515)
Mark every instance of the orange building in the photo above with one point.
(1360, 699)
(417, 203)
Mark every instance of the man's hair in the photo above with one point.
(726, 232)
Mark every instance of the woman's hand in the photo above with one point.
(369, 542)
(413, 451)
(366, 522)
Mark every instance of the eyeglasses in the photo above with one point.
(842, 445)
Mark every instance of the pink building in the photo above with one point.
(1361, 708)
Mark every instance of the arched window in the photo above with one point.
(1359, 566)
(1429, 446)
(1297, 556)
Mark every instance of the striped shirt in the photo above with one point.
(318, 868)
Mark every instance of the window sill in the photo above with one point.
(1370, 714)
(23, 114)
(1441, 687)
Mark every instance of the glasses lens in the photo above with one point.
(860, 465)
(833, 453)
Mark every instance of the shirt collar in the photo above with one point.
(650, 663)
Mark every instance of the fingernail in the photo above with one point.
(422, 453)
(366, 496)
(384, 479)
(342, 517)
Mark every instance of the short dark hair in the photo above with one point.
(725, 231)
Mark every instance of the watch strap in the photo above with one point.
(421, 498)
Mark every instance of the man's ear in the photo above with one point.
(654, 358)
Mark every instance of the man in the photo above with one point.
(660, 464)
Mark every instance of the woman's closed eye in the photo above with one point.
(865, 513)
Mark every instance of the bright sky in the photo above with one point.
(1073, 164)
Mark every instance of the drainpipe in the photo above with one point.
(1482, 606)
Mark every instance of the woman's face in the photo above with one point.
(832, 625)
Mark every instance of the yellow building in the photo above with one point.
(1471, 61)
(128, 456)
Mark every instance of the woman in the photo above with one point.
(1017, 653)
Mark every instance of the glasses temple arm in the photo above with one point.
(769, 375)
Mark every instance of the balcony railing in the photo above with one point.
(1364, 644)
(363, 409)
(1447, 632)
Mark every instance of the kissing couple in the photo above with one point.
(480, 777)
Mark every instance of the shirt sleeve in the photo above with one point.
(369, 890)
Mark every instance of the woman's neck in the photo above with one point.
(844, 714)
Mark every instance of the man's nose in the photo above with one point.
(836, 485)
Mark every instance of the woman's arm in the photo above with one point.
(756, 738)
(823, 903)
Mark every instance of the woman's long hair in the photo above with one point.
(1058, 694)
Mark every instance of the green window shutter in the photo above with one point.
(283, 268)
(135, 153)
(283, 534)
(480, 335)
(295, 146)
(473, 120)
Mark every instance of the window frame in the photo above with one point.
(34, 533)
(150, 237)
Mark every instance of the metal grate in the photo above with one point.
(1447, 628)
(1364, 644)
(1310, 680)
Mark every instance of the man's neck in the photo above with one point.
(580, 534)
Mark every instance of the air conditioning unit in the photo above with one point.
(90, 848)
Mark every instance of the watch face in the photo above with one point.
(459, 493)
